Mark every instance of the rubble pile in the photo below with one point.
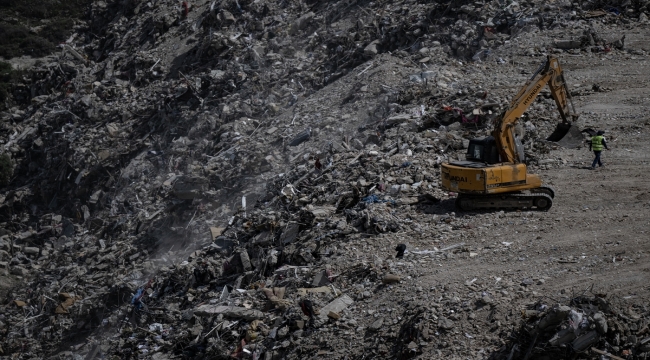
(295, 233)
(243, 294)
(219, 102)
(587, 327)
(231, 178)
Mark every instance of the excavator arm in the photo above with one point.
(549, 73)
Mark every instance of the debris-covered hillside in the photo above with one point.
(231, 179)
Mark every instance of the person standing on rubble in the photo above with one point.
(596, 144)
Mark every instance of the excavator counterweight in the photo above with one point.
(494, 174)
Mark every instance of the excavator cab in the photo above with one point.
(483, 150)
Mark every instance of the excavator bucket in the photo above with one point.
(566, 135)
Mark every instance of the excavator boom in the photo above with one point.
(548, 73)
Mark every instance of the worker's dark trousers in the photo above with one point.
(597, 159)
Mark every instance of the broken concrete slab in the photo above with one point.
(321, 279)
(234, 312)
(322, 290)
(322, 212)
(333, 315)
(338, 305)
(371, 49)
(290, 233)
(190, 187)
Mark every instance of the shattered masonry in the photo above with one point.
(124, 228)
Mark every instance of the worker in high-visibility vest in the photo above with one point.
(597, 144)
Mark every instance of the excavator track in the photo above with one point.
(540, 200)
(548, 190)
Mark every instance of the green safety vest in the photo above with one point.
(597, 143)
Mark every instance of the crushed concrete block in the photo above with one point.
(334, 316)
(336, 306)
(234, 312)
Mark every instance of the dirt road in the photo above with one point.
(606, 211)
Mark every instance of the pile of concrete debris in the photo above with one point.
(279, 139)
(588, 326)
(282, 278)
(257, 268)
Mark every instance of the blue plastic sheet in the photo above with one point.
(135, 300)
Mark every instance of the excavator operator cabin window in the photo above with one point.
(474, 151)
(478, 152)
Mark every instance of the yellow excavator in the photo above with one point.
(494, 174)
